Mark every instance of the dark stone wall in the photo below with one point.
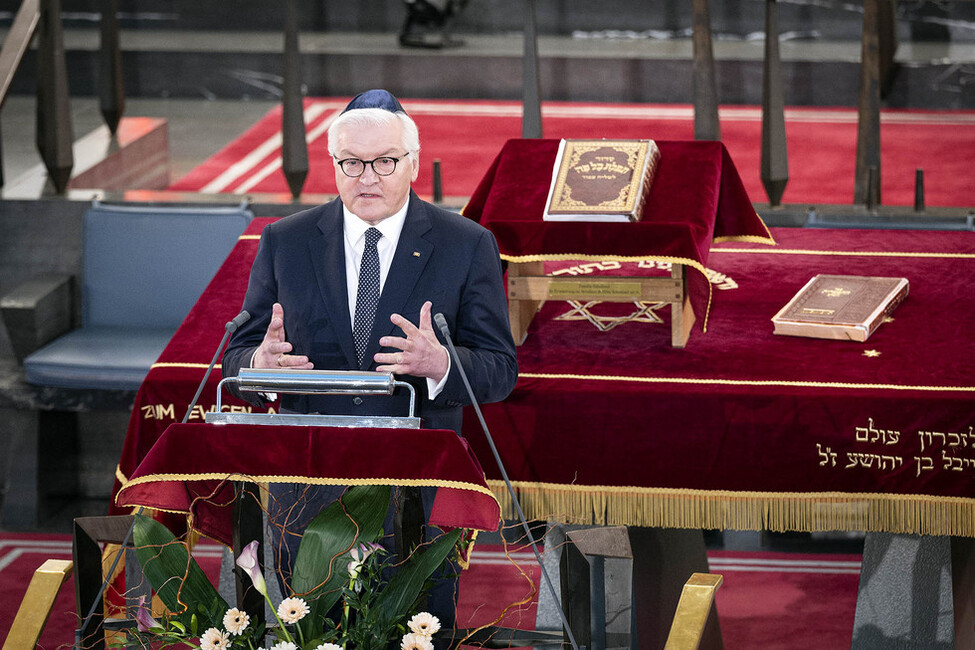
(829, 19)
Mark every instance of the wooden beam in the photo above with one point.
(775, 155)
(111, 88)
(706, 123)
(54, 132)
(16, 43)
(868, 125)
(531, 118)
(294, 147)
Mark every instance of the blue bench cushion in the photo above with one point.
(97, 358)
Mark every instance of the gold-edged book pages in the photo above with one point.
(601, 180)
(843, 307)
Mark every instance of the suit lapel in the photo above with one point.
(411, 256)
(328, 258)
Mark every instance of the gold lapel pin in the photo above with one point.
(416, 253)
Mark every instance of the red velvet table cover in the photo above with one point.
(749, 430)
(191, 468)
(697, 198)
(743, 429)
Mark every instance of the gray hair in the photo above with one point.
(376, 117)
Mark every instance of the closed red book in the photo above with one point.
(843, 307)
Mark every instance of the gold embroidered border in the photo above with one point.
(729, 510)
(746, 382)
(183, 365)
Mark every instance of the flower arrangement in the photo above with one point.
(344, 592)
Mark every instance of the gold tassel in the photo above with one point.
(726, 510)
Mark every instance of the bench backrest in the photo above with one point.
(146, 266)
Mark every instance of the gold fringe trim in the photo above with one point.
(746, 382)
(918, 514)
(751, 239)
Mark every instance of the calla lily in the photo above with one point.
(248, 562)
(143, 620)
(363, 551)
(359, 556)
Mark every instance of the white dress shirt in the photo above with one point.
(355, 229)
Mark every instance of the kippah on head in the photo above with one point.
(376, 98)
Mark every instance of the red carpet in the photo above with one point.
(768, 600)
(466, 136)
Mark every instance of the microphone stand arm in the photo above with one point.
(504, 474)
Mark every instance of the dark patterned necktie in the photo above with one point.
(367, 299)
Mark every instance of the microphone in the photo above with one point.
(238, 320)
(441, 322)
(229, 329)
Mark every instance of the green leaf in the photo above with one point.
(404, 587)
(164, 561)
(322, 555)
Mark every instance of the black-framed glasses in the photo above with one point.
(383, 166)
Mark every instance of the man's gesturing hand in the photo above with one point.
(421, 354)
(274, 349)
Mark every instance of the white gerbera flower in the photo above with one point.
(214, 639)
(416, 642)
(329, 646)
(284, 645)
(292, 610)
(236, 621)
(425, 624)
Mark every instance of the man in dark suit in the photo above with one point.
(352, 284)
(302, 289)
